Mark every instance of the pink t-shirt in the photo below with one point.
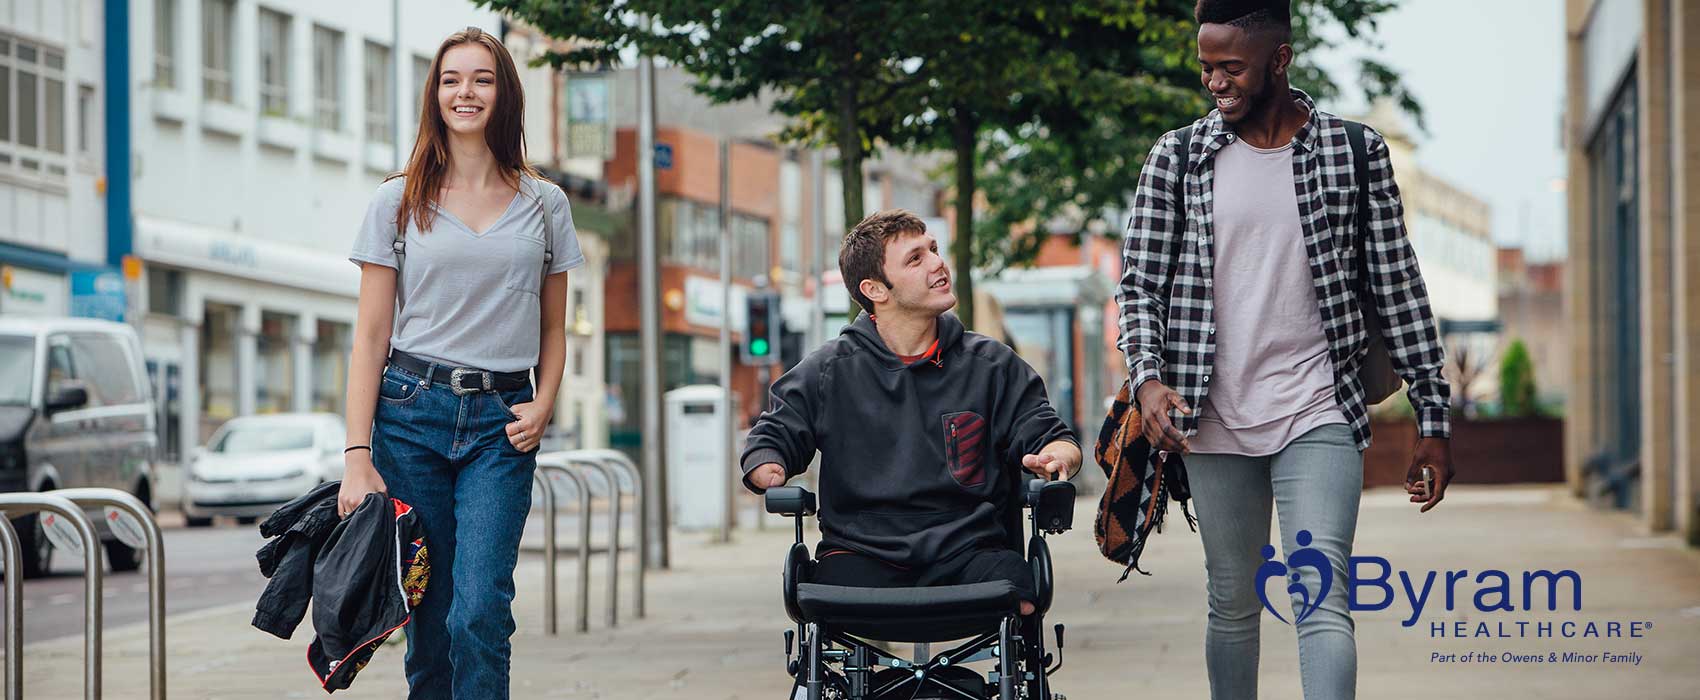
(1273, 380)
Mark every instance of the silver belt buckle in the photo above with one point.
(460, 389)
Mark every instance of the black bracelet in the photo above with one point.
(367, 448)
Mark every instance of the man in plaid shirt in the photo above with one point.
(1241, 322)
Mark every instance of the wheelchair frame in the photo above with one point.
(1023, 674)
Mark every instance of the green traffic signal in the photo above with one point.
(758, 347)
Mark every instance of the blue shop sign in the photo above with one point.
(98, 294)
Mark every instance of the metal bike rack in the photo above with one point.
(611, 477)
(14, 609)
(25, 503)
(541, 477)
(156, 571)
(623, 464)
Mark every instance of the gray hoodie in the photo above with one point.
(916, 458)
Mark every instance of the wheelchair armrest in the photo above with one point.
(791, 500)
(799, 569)
(1052, 503)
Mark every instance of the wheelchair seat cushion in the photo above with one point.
(922, 614)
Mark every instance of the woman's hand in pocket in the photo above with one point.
(527, 431)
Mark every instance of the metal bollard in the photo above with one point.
(619, 461)
(25, 503)
(609, 476)
(14, 609)
(156, 571)
(550, 624)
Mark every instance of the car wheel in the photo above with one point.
(193, 521)
(37, 550)
(123, 557)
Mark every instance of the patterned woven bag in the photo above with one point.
(1141, 481)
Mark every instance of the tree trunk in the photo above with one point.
(850, 153)
(963, 131)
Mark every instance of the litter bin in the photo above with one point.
(699, 480)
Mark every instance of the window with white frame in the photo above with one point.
(85, 120)
(32, 107)
(274, 63)
(421, 80)
(327, 78)
(218, 61)
(380, 74)
(165, 43)
(791, 216)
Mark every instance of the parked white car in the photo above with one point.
(254, 464)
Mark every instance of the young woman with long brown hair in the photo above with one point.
(463, 289)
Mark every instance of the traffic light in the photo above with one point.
(762, 328)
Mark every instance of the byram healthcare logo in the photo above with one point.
(1304, 557)
(1370, 586)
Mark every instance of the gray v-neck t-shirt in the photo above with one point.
(1272, 380)
(468, 298)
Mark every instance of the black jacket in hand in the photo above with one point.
(363, 574)
(914, 457)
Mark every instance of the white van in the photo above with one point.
(75, 411)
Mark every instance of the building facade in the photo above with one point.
(1531, 309)
(1632, 123)
(54, 183)
(261, 130)
(1451, 231)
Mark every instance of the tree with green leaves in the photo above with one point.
(1079, 160)
(830, 67)
(1517, 396)
(1048, 106)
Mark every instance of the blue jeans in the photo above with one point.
(1315, 483)
(449, 457)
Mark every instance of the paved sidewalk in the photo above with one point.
(714, 623)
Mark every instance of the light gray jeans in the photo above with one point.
(1315, 484)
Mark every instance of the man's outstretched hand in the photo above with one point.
(765, 477)
(1057, 460)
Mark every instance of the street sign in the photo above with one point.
(663, 156)
(589, 131)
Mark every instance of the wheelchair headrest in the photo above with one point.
(790, 500)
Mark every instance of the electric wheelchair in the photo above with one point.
(835, 661)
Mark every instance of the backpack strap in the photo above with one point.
(399, 246)
(548, 232)
(1179, 194)
(1360, 175)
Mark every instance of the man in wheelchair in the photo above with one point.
(926, 434)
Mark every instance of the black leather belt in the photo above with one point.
(461, 380)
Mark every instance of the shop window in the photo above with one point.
(274, 371)
(330, 366)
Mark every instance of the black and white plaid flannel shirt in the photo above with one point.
(1167, 326)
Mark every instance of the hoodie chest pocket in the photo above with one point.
(965, 447)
